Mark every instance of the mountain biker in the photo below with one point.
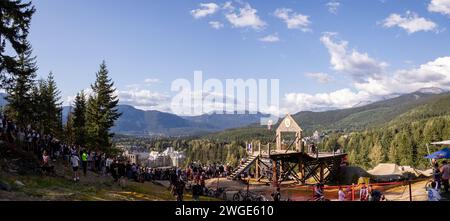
(318, 192)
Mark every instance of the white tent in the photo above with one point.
(445, 142)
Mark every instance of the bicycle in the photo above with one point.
(322, 198)
(218, 193)
(247, 196)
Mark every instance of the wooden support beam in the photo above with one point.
(321, 172)
(301, 171)
(257, 169)
(274, 174)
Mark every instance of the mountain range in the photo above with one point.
(421, 104)
(155, 123)
(370, 115)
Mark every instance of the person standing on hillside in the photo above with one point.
(196, 191)
(84, 161)
(445, 171)
(108, 163)
(75, 162)
(114, 170)
(179, 189)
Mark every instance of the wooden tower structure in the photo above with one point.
(292, 161)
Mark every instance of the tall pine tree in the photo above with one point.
(79, 119)
(48, 108)
(20, 87)
(15, 18)
(69, 134)
(102, 110)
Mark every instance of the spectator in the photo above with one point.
(445, 171)
(196, 191)
(180, 185)
(363, 193)
(108, 163)
(437, 177)
(46, 167)
(341, 194)
(121, 170)
(433, 194)
(74, 161)
(84, 161)
(376, 195)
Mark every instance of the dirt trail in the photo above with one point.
(401, 193)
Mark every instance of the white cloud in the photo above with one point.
(152, 80)
(435, 73)
(440, 6)
(410, 22)
(270, 38)
(228, 6)
(333, 6)
(292, 19)
(205, 10)
(246, 17)
(216, 24)
(356, 64)
(370, 81)
(344, 98)
(322, 78)
(143, 98)
(70, 99)
(432, 74)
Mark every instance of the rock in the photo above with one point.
(19, 184)
(5, 186)
(12, 171)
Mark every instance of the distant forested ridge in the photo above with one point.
(402, 141)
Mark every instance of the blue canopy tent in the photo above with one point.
(441, 154)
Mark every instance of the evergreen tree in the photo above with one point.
(20, 87)
(102, 110)
(37, 106)
(376, 154)
(15, 18)
(79, 119)
(48, 106)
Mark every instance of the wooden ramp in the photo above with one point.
(243, 167)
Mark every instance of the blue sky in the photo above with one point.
(327, 53)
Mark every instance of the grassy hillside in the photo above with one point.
(18, 165)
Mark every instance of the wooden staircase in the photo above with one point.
(243, 167)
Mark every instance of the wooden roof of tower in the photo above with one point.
(288, 124)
